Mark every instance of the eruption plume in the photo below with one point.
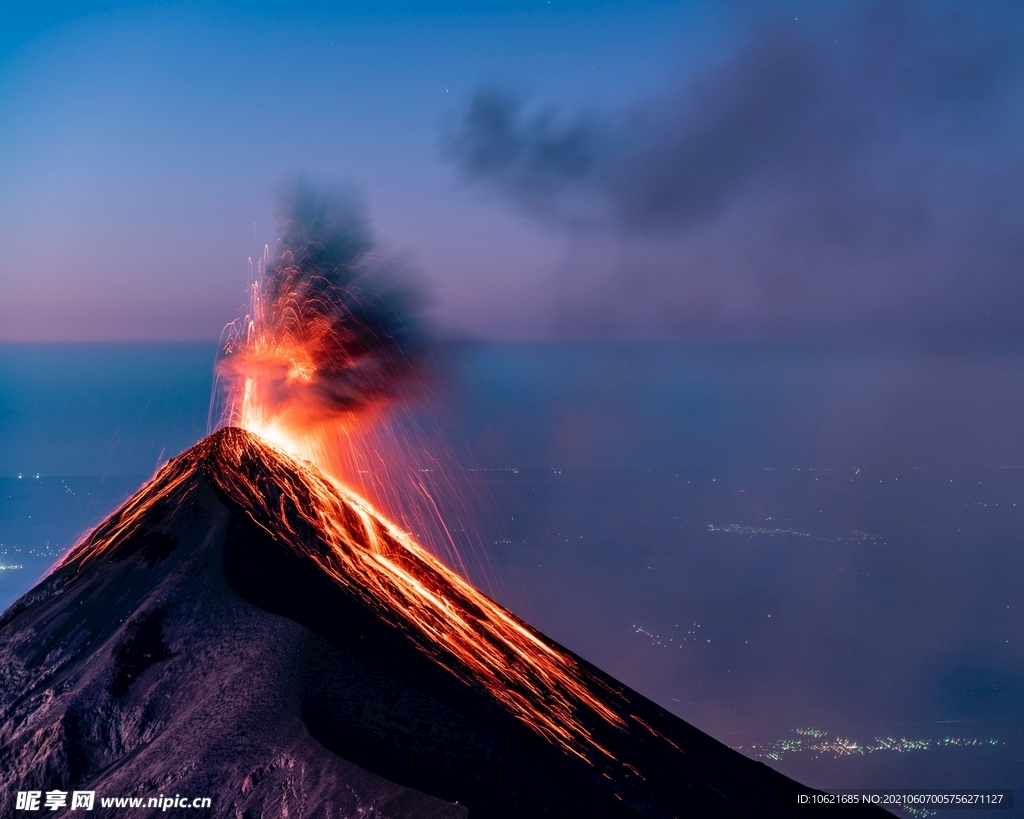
(331, 346)
(331, 332)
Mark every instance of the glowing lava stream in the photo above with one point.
(450, 620)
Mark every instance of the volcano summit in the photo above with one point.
(249, 630)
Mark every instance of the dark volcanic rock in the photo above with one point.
(199, 654)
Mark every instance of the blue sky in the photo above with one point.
(142, 143)
(686, 171)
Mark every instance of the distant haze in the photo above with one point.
(122, 409)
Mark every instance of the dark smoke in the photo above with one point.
(850, 168)
(347, 318)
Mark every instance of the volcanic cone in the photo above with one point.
(247, 629)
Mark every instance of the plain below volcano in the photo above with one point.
(202, 642)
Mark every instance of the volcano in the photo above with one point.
(246, 629)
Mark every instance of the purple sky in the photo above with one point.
(612, 171)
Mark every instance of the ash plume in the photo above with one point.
(333, 327)
(837, 170)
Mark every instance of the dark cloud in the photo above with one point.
(534, 159)
(855, 170)
(756, 116)
(333, 327)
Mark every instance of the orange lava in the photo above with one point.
(302, 371)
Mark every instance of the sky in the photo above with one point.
(547, 170)
(752, 173)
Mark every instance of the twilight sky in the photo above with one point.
(550, 170)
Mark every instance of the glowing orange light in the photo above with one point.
(451, 621)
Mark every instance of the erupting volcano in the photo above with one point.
(247, 628)
(250, 628)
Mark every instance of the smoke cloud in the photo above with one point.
(333, 326)
(849, 170)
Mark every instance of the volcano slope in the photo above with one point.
(246, 629)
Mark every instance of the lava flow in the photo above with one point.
(451, 621)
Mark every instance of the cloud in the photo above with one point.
(333, 328)
(853, 171)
